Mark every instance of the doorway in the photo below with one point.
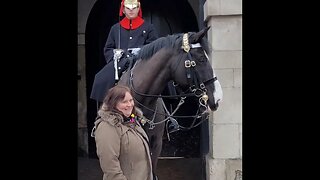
(169, 17)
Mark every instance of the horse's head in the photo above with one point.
(194, 73)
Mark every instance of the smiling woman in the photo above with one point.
(122, 144)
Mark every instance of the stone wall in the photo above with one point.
(224, 161)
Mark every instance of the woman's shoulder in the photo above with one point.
(110, 117)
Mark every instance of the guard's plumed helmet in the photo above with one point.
(130, 4)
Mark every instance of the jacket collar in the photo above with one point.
(135, 23)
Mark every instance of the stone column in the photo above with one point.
(224, 160)
(84, 7)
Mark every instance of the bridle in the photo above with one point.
(196, 89)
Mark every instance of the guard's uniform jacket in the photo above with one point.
(133, 34)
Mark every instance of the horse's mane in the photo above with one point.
(172, 42)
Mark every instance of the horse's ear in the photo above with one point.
(199, 35)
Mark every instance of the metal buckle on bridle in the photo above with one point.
(196, 91)
(202, 86)
(193, 63)
(187, 63)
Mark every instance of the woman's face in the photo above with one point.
(131, 13)
(126, 105)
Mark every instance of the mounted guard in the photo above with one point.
(123, 43)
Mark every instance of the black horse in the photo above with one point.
(180, 58)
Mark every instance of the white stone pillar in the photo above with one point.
(224, 161)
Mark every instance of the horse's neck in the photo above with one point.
(151, 76)
(151, 80)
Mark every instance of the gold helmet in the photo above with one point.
(130, 4)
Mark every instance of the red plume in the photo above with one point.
(140, 10)
(121, 8)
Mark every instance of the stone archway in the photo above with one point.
(169, 17)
